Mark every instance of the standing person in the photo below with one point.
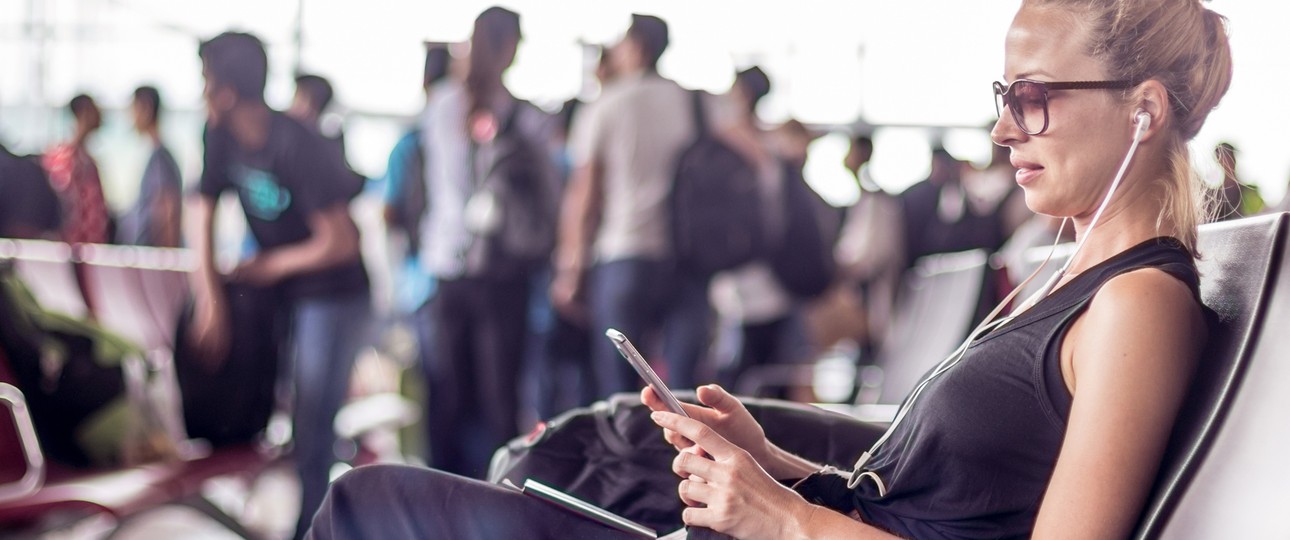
(405, 208)
(614, 251)
(294, 194)
(1237, 199)
(1051, 426)
(405, 197)
(75, 177)
(313, 95)
(765, 315)
(871, 250)
(480, 309)
(938, 217)
(155, 219)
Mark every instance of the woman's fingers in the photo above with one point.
(650, 398)
(694, 516)
(707, 438)
(718, 398)
(694, 492)
(689, 463)
(676, 440)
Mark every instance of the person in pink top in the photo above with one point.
(75, 177)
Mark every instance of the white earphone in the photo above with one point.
(1142, 119)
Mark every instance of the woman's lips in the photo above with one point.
(1026, 171)
(1026, 176)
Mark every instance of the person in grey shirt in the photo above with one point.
(614, 264)
(155, 218)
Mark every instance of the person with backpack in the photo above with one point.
(405, 208)
(614, 263)
(758, 301)
(295, 194)
(489, 227)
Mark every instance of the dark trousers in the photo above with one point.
(640, 298)
(778, 341)
(472, 374)
(395, 501)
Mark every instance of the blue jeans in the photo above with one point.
(326, 335)
(642, 298)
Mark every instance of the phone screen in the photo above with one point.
(638, 362)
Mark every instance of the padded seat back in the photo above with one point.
(937, 305)
(1224, 474)
(139, 303)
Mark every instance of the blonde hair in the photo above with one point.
(1184, 46)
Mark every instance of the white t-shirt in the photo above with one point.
(445, 240)
(635, 131)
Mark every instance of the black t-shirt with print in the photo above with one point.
(292, 176)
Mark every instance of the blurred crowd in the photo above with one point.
(528, 234)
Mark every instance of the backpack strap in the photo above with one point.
(700, 122)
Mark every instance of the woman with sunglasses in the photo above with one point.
(1053, 423)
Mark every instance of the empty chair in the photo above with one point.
(938, 305)
(138, 293)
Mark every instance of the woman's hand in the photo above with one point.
(724, 413)
(730, 493)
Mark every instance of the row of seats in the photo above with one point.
(139, 294)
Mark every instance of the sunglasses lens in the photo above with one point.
(1029, 104)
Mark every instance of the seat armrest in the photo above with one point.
(34, 476)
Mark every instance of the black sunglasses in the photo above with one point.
(1028, 100)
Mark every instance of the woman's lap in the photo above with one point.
(394, 501)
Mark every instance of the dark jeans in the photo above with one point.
(395, 501)
(558, 368)
(640, 298)
(326, 335)
(779, 341)
(473, 370)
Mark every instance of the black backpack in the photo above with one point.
(802, 258)
(715, 204)
(520, 176)
(250, 370)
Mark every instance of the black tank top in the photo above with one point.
(973, 457)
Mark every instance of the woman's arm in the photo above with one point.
(1128, 361)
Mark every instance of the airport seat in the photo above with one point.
(47, 269)
(939, 304)
(22, 467)
(1224, 475)
(34, 490)
(940, 300)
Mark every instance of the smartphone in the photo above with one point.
(638, 362)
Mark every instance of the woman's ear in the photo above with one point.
(1152, 98)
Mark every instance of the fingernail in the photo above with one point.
(656, 415)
